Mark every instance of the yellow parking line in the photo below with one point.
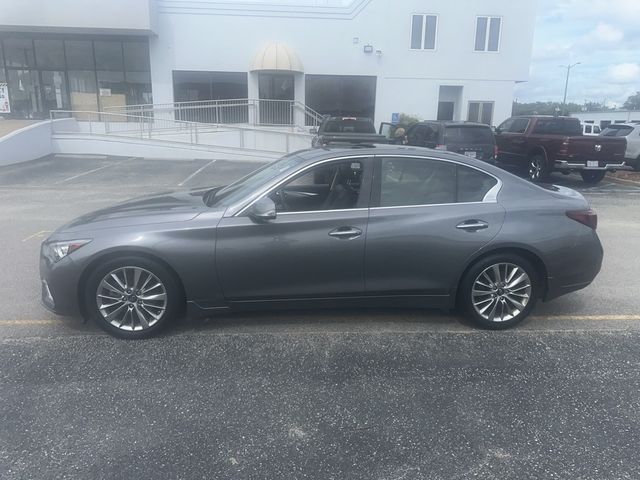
(7, 323)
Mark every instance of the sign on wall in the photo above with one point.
(395, 118)
(5, 106)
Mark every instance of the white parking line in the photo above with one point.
(196, 173)
(92, 171)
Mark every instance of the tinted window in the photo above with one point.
(79, 54)
(341, 95)
(416, 31)
(558, 126)
(506, 125)
(616, 131)
(349, 126)
(409, 181)
(468, 135)
(18, 52)
(136, 56)
(333, 186)
(519, 125)
(49, 54)
(108, 55)
(473, 184)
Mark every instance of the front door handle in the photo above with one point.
(345, 233)
(472, 225)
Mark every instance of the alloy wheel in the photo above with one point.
(501, 292)
(131, 298)
(535, 168)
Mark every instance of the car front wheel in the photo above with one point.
(132, 297)
(538, 168)
(499, 291)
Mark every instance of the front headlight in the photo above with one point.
(59, 250)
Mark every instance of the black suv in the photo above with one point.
(474, 140)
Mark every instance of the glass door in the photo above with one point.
(54, 91)
(276, 92)
(24, 91)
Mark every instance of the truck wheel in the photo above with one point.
(636, 165)
(592, 177)
(538, 168)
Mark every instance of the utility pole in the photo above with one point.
(566, 83)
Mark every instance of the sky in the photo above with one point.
(604, 35)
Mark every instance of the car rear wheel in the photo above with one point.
(499, 291)
(132, 297)
(592, 177)
(538, 168)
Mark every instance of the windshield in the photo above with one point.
(243, 187)
(617, 131)
(468, 135)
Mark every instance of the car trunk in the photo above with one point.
(471, 140)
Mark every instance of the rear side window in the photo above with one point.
(413, 181)
(468, 135)
(421, 134)
(616, 131)
(349, 126)
(558, 126)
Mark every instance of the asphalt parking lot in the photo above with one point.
(382, 394)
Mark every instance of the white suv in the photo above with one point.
(630, 131)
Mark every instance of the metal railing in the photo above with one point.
(159, 127)
(290, 113)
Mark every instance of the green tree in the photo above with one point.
(407, 120)
(633, 102)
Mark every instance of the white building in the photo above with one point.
(607, 117)
(446, 59)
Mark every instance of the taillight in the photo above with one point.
(441, 147)
(585, 217)
(564, 148)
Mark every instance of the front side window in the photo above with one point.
(423, 32)
(488, 34)
(332, 186)
(519, 125)
(421, 181)
(481, 112)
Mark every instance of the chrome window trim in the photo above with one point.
(490, 197)
(242, 207)
(361, 209)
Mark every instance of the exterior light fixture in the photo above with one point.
(367, 48)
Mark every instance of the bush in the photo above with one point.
(407, 120)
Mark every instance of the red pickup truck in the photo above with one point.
(543, 144)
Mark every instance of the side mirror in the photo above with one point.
(313, 131)
(263, 210)
(497, 130)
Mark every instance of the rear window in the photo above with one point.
(349, 126)
(616, 131)
(558, 126)
(468, 135)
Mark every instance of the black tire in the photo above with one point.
(636, 165)
(466, 289)
(173, 296)
(592, 176)
(538, 168)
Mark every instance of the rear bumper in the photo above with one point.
(579, 166)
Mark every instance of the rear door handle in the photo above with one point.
(345, 233)
(472, 225)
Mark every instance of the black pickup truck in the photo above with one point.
(346, 130)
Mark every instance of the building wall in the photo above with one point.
(608, 116)
(224, 36)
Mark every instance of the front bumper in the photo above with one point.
(59, 286)
(602, 166)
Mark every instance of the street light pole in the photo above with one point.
(566, 83)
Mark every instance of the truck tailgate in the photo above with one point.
(602, 149)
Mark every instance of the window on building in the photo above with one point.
(481, 112)
(49, 54)
(423, 32)
(18, 52)
(341, 95)
(79, 54)
(108, 56)
(488, 34)
(83, 90)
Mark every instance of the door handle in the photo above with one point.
(472, 225)
(345, 233)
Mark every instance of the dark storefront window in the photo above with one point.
(339, 95)
(197, 87)
(51, 72)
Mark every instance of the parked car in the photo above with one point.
(543, 144)
(590, 129)
(361, 226)
(631, 132)
(474, 140)
(346, 130)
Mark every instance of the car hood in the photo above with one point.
(164, 207)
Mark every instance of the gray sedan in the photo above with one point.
(375, 226)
